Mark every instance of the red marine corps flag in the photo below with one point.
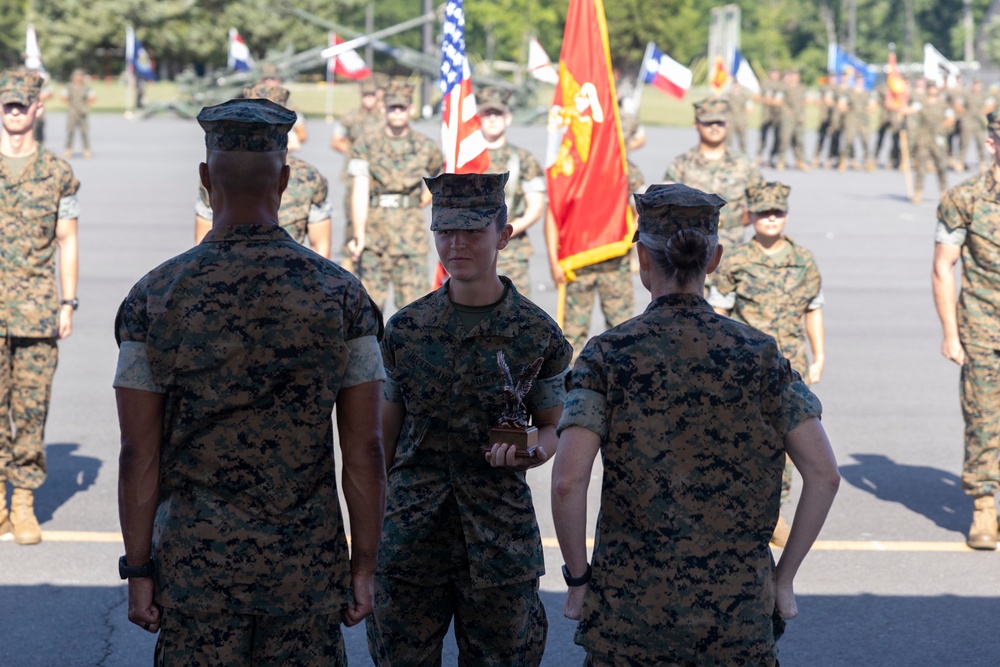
(585, 162)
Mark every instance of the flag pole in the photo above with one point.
(129, 72)
(561, 304)
(329, 90)
(640, 81)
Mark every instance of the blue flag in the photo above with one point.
(137, 57)
(839, 58)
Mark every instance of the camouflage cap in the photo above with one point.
(399, 94)
(493, 99)
(257, 126)
(466, 201)
(369, 86)
(993, 122)
(19, 86)
(666, 209)
(269, 71)
(267, 91)
(771, 196)
(711, 110)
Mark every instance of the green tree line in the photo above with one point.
(183, 33)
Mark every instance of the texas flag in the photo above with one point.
(347, 64)
(665, 73)
(240, 59)
(464, 146)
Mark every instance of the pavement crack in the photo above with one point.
(121, 597)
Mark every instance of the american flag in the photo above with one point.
(464, 146)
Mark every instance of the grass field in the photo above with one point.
(311, 99)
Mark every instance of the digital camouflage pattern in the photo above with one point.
(451, 519)
(19, 86)
(396, 235)
(682, 572)
(973, 207)
(508, 627)
(612, 280)
(728, 177)
(30, 206)
(250, 336)
(791, 129)
(930, 138)
(303, 202)
(711, 110)
(493, 99)
(856, 124)
(225, 639)
(354, 125)
(398, 93)
(257, 125)
(773, 293)
(267, 91)
(665, 209)
(736, 129)
(466, 201)
(513, 261)
(769, 196)
(27, 366)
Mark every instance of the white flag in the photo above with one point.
(32, 54)
(938, 68)
(539, 65)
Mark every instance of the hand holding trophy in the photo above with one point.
(511, 426)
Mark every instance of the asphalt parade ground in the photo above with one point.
(889, 583)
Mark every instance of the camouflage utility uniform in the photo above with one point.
(793, 125)
(772, 293)
(353, 126)
(737, 132)
(460, 536)
(969, 216)
(526, 175)
(396, 230)
(303, 203)
(682, 572)
(977, 103)
(78, 95)
(931, 121)
(729, 178)
(31, 204)
(611, 279)
(249, 540)
(856, 126)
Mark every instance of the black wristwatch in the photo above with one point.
(126, 571)
(75, 303)
(576, 581)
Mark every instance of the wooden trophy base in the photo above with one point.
(524, 439)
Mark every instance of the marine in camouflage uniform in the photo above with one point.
(461, 539)
(388, 168)
(610, 279)
(728, 174)
(976, 103)
(771, 95)
(347, 131)
(827, 106)
(681, 570)
(525, 189)
(739, 103)
(773, 288)
(234, 354)
(305, 209)
(933, 118)
(38, 211)
(968, 220)
(78, 96)
(859, 101)
(793, 122)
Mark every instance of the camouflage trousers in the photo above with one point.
(516, 269)
(406, 273)
(981, 409)
(791, 139)
(27, 366)
(595, 660)
(736, 135)
(224, 639)
(931, 149)
(345, 254)
(77, 121)
(972, 133)
(502, 627)
(612, 280)
(855, 132)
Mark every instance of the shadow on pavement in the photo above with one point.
(933, 493)
(68, 474)
(86, 626)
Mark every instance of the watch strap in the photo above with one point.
(576, 581)
(126, 571)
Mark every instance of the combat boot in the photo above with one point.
(4, 513)
(918, 196)
(983, 532)
(780, 166)
(781, 530)
(815, 162)
(869, 165)
(842, 165)
(802, 166)
(67, 153)
(22, 515)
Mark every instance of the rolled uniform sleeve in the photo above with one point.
(953, 223)
(362, 334)
(357, 164)
(131, 324)
(320, 208)
(586, 393)
(787, 400)
(550, 390)
(722, 293)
